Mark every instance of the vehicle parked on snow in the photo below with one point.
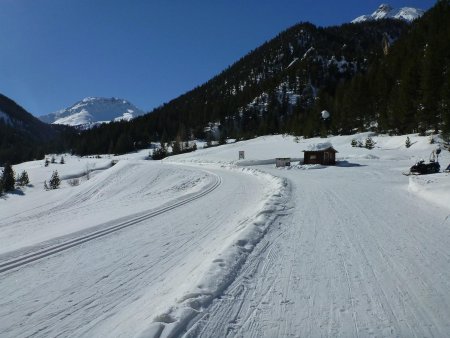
(422, 168)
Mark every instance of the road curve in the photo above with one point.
(34, 256)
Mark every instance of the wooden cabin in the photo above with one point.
(320, 154)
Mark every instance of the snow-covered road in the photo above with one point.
(359, 256)
(123, 283)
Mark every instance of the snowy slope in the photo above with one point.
(385, 11)
(92, 110)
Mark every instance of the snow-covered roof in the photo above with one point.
(320, 147)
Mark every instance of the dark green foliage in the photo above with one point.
(407, 142)
(369, 144)
(8, 181)
(62, 160)
(177, 146)
(159, 154)
(408, 90)
(354, 143)
(23, 179)
(54, 182)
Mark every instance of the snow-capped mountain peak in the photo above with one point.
(386, 11)
(94, 110)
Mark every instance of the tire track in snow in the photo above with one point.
(40, 254)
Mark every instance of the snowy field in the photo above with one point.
(206, 245)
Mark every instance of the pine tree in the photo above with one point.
(354, 143)
(54, 180)
(159, 154)
(370, 144)
(22, 179)
(176, 145)
(407, 142)
(47, 162)
(53, 159)
(62, 160)
(8, 180)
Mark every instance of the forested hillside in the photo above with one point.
(406, 91)
(272, 89)
(23, 137)
(385, 76)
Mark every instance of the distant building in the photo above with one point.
(322, 153)
(283, 162)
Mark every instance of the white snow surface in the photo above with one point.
(94, 110)
(215, 246)
(385, 11)
(319, 146)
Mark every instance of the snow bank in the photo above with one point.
(224, 268)
(434, 188)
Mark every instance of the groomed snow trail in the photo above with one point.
(359, 256)
(121, 284)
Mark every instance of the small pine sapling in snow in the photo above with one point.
(370, 144)
(24, 179)
(47, 162)
(53, 159)
(54, 180)
(354, 143)
(62, 160)
(407, 142)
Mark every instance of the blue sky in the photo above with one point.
(56, 52)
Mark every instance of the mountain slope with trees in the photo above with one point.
(408, 90)
(24, 137)
(270, 90)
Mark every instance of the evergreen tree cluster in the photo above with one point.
(408, 90)
(8, 182)
(273, 89)
(54, 182)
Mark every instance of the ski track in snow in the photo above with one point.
(344, 263)
(354, 250)
(150, 275)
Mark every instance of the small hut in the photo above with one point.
(321, 153)
(283, 162)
